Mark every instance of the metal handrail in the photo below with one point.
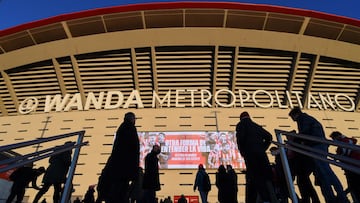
(22, 160)
(39, 141)
(338, 160)
(314, 153)
(320, 140)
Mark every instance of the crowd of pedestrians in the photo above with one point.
(265, 181)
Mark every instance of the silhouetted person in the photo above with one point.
(222, 184)
(55, 174)
(279, 179)
(136, 190)
(302, 174)
(151, 182)
(253, 141)
(202, 183)
(352, 178)
(103, 186)
(182, 199)
(168, 200)
(122, 165)
(77, 200)
(89, 195)
(324, 175)
(233, 187)
(21, 178)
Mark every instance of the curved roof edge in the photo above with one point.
(175, 5)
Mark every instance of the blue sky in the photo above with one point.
(17, 12)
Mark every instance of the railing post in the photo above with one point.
(286, 168)
(68, 184)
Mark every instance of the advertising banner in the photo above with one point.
(181, 150)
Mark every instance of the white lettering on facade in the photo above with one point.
(91, 99)
(135, 99)
(109, 97)
(289, 99)
(182, 98)
(243, 100)
(156, 99)
(281, 106)
(312, 102)
(271, 101)
(233, 98)
(60, 104)
(327, 101)
(179, 97)
(298, 98)
(352, 104)
(75, 102)
(205, 101)
(192, 97)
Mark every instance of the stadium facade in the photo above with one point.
(187, 69)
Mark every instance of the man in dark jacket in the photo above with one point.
(308, 125)
(55, 174)
(253, 141)
(21, 178)
(151, 182)
(122, 165)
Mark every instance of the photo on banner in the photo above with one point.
(186, 150)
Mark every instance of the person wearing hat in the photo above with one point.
(253, 141)
(202, 183)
